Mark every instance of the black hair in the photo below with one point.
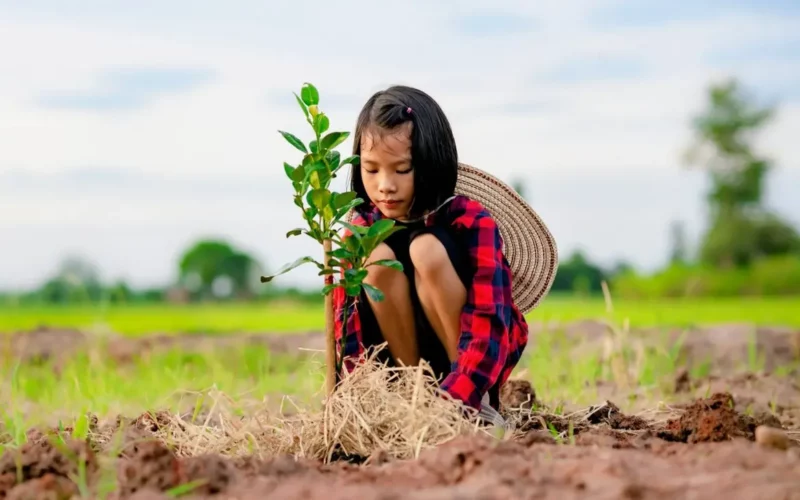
(434, 156)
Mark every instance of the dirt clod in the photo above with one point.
(150, 465)
(211, 473)
(610, 414)
(47, 487)
(44, 457)
(771, 437)
(517, 394)
(683, 382)
(713, 419)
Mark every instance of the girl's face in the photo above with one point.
(386, 172)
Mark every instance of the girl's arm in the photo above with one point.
(486, 318)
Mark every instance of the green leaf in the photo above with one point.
(288, 267)
(309, 94)
(294, 232)
(352, 289)
(355, 275)
(299, 174)
(315, 233)
(333, 139)
(289, 170)
(333, 158)
(351, 160)
(373, 293)
(311, 212)
(329, 288)
(342, 199)
(302, 106)
(390, 263)
(380, 227)
(294, 141)
(327, 216)
(314, 226)
(318, 175)
(319, 198)
(297, 199)
(341, 253)
(371, 242)
(358, 231)
(353, 244)
(314, 146)
(321, 123)
(343, 211)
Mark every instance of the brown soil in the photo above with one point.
(709, 448)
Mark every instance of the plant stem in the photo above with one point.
(330, 338)
(340, 365)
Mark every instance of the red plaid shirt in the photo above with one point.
(493, 330)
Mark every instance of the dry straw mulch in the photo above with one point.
(376, 409)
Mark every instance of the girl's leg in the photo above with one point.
(394, 314)
(441, 292)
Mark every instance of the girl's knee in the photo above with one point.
(378, 274)
(428, 255)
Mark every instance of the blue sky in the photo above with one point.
(128, 130)
(129, 88)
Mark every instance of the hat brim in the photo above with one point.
(528, 245)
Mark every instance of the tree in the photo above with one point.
(75, 280)
(740, 228)
(679, 252)
(214, 268)
(578, 275)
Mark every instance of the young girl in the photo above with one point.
(452, 304)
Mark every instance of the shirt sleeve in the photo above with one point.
(486, 318)
(340, 298)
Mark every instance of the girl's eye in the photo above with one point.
(370, 171)
(404, 171)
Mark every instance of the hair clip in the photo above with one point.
(408, 110)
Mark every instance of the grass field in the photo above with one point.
(138, 320)
(164, 379)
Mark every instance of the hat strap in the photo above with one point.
(425, 217)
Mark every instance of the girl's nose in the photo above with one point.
(386, 186)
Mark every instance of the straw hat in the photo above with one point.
(529, 247)
(527, 243)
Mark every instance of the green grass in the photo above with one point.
(172, 380)
(211, 318)
(44, 393)
(148, 319)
